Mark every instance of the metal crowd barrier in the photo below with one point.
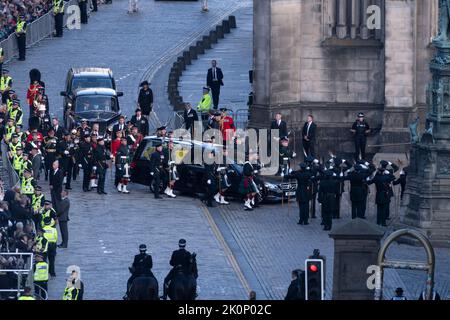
(11, 176)
(26, 270)
(36, 31)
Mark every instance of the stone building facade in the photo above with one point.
(321, 57)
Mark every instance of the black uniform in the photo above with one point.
(304, 178)
(382, 183)
(340, 167)
(360, 138)
(402, 182)
(100, 156)
(211, 183)
(159, 169)
(180, 257)
(328, 194)
(358, 191)
(122, 156)
(50, 144)
(285, 152)
(83, 11)
(189, 119)
(64, 158)
(141, 124)
(296, 290)
(86, 159)
(142, 266)
(59, 17)
(145, 101)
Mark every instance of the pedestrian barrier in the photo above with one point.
(192, 53)
(38, 30)
(20, 266)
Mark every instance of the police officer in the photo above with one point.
(316, 168)
(58, 12)
(51, 234)
(210, 179)
(83, 11)
(158, 171)
(50, 213)
(328, 193)
(16, 113)
(5, 85)
(338, 167)
(358, 188)
(37, 204)
(27, 294)
(21, 34)
(13, 145)
(190, 116)
(399, 295)
(360, 130)
(205, 104)
(383, 178)
(86, 153)
(40, 277)
(142, 266)
(122, 166)
(28, 184)
(100, 157)
(304, 177)
(50, 143)
(180, 258)
(40, 244)
(17, 161)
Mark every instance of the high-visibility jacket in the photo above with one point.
(36, 202)
(48, 213)
(69, 293)
(10, 131)
(21, 26)
(41, 271)
(13, 147)
(205, 103)
(41, 244)
(51, 234)
(4, 82)
(27, 186)
(26, 165)
(58, 6)
(26, 298)
(17, 115)
(17, 162)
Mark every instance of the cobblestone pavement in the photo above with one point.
(105, 231)
(272, 244)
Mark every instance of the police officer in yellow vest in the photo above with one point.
(28, 184)
(21, 34)
(50, 213)
(5, 85)
(74, 287)
(40, 244)
(17, 160)
(37, 201)
(205, 104)
(51, 234)
(58, 12)
(10, 129)
(27, 294)
(13, 145)
(41, 269)
(16, 112)
(27, 165)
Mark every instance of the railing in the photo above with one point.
(24, 270)
(36, 31)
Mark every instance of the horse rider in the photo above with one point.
(142, 266)
(180, 258)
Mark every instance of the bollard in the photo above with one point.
(232, 20)
(226, 26)
(200, 48)
(193, 52)
(213, 36)
(206, 42)
(219, 30)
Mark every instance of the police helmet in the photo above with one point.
(360, 115)
(142, 247)
(383, 163)
(182, 243)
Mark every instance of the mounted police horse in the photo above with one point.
(183, 285)
(144, 287)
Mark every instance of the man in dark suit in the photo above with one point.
(190, 117)
(140, 122)
(63, 218)
(56, 182)
(309, 136)
(59, 131)
(121, 126)
(145, 99)
(214, 80)
(279, 124)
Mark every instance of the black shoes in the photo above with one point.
(62, 246)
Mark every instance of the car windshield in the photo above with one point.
(96, 103)
(91, 82)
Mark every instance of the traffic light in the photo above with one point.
(314, 279)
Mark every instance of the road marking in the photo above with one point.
(226, 248)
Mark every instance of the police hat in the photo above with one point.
(5, 71)
(67, 133)
(38, 188)
(161, 128)
(182, 243)
(206, 88)
(27, 171)
(47, 220)
(142, 247)
(144, 83)
(217, 114)
(26, 155)
(12, 91)
(19, 148)
(84, 120)
(47, 202)
(223, 109)
(19, 126)
(14, 135)
(285, 139)
(10, 119)
(383, 163)
(399, 290)
(16, 102)
(360, 115)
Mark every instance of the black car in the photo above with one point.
(191, 176)
(90, 93)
